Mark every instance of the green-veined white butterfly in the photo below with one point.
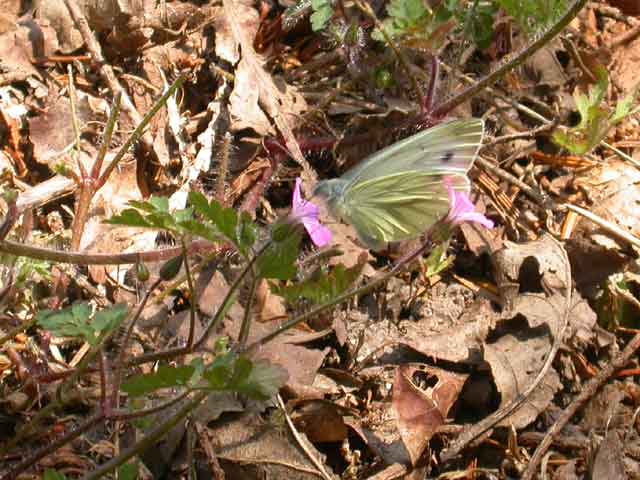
(399, 192)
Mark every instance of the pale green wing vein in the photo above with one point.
(400, 206)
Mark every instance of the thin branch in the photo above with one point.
(248, 312)
(78, 258)
(229, 297)
(106, 71)
(74, 121)
(193, 301)
(125, 416)
(107, 136)
(605, 225)
(9, 196)
(141, 125)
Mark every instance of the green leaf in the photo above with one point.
(623, 107)
(412, 23)
(214, 223)
(247, 233)
(165, 377)
(108, 320)
(63, 323)
(437, 261)
(479, 28)
(219, 373)
(75, 321)
(202, 230)
(259, 380)
(128, 471)
(136, 404)
(322, 13)
(534, 15)
(198, 201)
(160, 204)
(278, 260)
(53, 475)
(263, 381)
(156, 215)
(227, 223)
(596, 118)
(129, 217)
(241, 232)
(320, 288)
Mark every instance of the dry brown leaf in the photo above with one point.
(515, 360)
(52, 131)
(267, 305)
(281, 104)
(545, 67)
(625, 65)
(532, 282)
(609, 459)
(56, 14)
(535, 270)
(419, 412)
(604, 410)
(101, 15)
(614, 189)
(244, 102)
(344, 238)
(98, 237)
(21, 47)
(251, 449)
(211, 290)
(9, 11)
(320, 420)
(460, 342)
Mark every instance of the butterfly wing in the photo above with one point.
(448, 148)
(398, 207)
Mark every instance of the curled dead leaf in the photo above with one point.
(419, 412)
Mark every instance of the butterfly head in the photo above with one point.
(332, 191)
(329, 190)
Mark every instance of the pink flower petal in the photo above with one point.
(320, 235)
(479, 218)
(307, 213)
(462, 209)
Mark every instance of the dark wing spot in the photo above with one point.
(446, 157)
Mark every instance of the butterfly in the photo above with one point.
(400, 191)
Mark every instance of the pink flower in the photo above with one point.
(462, 209)
(307, 213)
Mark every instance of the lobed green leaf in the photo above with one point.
(75, 321)
(258, 380)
